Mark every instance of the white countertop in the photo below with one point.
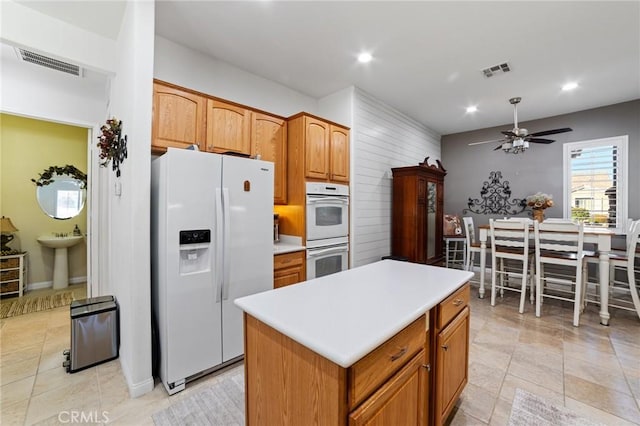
(288, 244)
(346, 315)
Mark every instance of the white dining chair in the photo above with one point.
(472, 246)
(560, 244)
(624, 275)
(510, 242)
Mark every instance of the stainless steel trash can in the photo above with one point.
(94, 333)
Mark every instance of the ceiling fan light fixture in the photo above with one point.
(471, 109)
(570, 86)
(364, 57)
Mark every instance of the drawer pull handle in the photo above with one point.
(457, 302)
(401, 352)
(445, 347)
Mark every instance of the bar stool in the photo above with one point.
(455, 251)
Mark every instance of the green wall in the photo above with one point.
(27, 148)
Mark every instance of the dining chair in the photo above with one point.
(510, 242)
(624, 277)
(560, 245)
(473, 247)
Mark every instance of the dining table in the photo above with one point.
(601, 237)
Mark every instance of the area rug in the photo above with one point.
(221, 404)
(26, 304)
(529, 409)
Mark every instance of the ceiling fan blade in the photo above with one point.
(540, 140)
(552, 132)
(498, 147)
(483, 142)
(508, 133)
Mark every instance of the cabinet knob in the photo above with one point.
(445, 347)
(398, 355)
(457, 302)
(426, 367)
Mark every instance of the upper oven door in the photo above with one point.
(327, 216)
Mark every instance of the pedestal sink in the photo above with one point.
(61, 263)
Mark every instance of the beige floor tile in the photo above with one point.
(55, 378)
(486, 355)
(18, 370)
(477, 402)
(460, 418)
(14, 340)
(593, 413)
(486, 377)
(511, 383)
(51, 360)
(17, 391)
(540, 375)
(601, 397)
(539, 355)
(27, 352)
(81, 396)
(610, 376)
(501, 413)
(14, 414)
(586, 353)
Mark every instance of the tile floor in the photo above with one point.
(593, 370)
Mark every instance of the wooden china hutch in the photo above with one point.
(418, 194)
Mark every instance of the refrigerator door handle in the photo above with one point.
(219, 244)
(227, 236)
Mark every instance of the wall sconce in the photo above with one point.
(6, 230)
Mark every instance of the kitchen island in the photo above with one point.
(384, 343)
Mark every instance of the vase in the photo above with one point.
(538, 214)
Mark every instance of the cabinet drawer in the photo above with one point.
(11, 274)
(288, 260)
(370, 372)
(453, 304)
(10, 263)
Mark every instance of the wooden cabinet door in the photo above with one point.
(178, 118)
(269, 140)
(228, 128)
(339, 149)
(400, 401)
(316, 148)
(289, 268)
(452, 364)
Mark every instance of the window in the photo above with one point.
(595, 182)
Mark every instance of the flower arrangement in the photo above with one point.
(112, 146)
(539, 201)
(109, 140)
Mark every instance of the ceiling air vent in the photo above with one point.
(48, 62)
(496, 69)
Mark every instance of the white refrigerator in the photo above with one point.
(212, 242)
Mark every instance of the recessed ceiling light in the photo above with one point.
(570, 86)
(365, 57)
(471, 109)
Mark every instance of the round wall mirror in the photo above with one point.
(63, 197)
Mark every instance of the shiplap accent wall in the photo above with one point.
(382, 138)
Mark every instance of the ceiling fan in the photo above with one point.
(517, 140)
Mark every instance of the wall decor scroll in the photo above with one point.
(112, 146)
(495, 198)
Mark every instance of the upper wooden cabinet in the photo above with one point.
(178, 118)
(269, 141)
(228, 128)
(324, 148)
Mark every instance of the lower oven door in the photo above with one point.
(327, 260)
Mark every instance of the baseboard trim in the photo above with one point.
(140, 388)
(48, 284)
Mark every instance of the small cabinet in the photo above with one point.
(450, 353)
(178, 118)
(13, 269)
(321, 146)
(269, 141)
(418, 198)
(228, 127)
(289, 268)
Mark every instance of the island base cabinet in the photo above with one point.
(451, 366)
(400, 401)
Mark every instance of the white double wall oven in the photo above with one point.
(327, 229)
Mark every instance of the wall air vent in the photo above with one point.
(496, 69)
(48, 62)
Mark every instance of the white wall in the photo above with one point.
(25, 27)
(338, 107)
(128, 230)
(381, 138)
(187, 68)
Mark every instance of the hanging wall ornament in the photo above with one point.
(495, 198)
(113, 147)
